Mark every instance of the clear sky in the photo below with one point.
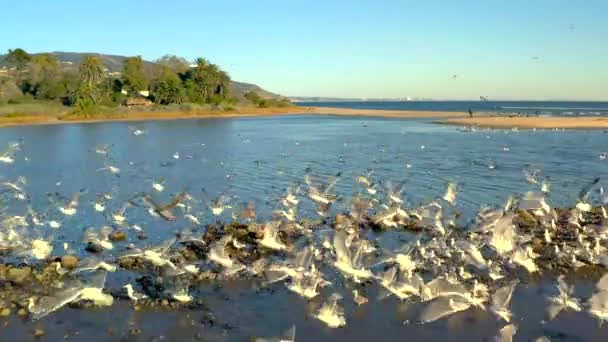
(451, 49)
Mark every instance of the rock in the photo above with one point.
(3, 270)
(22, 312)
(69, 261)
(38, 333)
(18, 275)
(5, 312)
(340, 219)
(94, 247)
(118, 235)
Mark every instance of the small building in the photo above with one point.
(138, 102)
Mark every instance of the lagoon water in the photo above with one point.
(255, 159)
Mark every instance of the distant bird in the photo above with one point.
(218, 205)
(159, 185)
(69, 207)
(112, 169)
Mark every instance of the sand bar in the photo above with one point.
(25, 120)
(582, 122)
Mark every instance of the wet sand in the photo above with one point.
(26, 120)
(583, 122)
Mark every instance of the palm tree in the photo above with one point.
(91, 71)
(203, 78)
(223, 83)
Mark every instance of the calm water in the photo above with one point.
(255, 159)
(553, 108)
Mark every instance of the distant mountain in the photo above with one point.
(114, 64)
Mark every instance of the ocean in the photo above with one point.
(542, 108)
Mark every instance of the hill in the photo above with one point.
(114, 64)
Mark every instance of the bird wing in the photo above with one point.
(587, 188)
(149, 201)
(502, 297)
(174, 202)
(602, 284)
(442, 307)
(342, 253)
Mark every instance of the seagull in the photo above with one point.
(218, 205)
(598, 303)
(8, 156)
(331, 313)
(112, 169)
(165, 211)
(501, 299)
(346, 262)
(320, 194)
(506, 333)
(563, 301)
(134, 295)
(450, 193)
(442, 307)
(525, 258)
(159, 186)
(70, 208)
(290, 198)
(271, 239)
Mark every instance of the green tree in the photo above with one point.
(168, 88)
(179, 65)
(253, 97)
(18, 58)
(134, 74)
(45, 76)
(208, 82)
(90, 72)
(9, 90)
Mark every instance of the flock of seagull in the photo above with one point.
(443, 265)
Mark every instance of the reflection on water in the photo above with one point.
(256, 159)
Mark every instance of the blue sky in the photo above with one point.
(503, 49)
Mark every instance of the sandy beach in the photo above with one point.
(450, 118)
(24, 120)
(582, 122)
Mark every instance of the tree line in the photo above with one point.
(170, 80)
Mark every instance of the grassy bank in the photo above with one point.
(54, 113)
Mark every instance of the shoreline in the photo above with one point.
(241, 112)
(503, 122)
